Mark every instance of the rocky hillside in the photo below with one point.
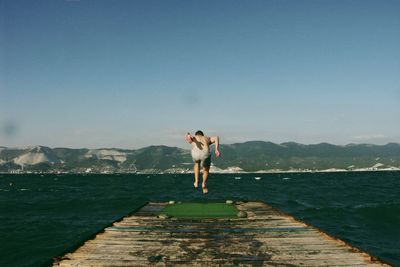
(248, 156)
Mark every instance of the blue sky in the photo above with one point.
(134, 73)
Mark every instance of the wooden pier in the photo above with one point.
(267, 237)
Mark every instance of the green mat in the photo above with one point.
(200, 210)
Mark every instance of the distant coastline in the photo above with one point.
(216, 171)
(247, 157)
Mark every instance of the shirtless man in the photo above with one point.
(201, 155)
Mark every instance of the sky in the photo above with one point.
(128, 74)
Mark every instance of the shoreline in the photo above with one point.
(214, 172)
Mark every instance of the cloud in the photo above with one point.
(365, 137)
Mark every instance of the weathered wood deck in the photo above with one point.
(266, 238)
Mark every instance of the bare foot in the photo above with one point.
(196, 184)
(205, 189)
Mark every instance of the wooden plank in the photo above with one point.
(270, 237)
(278, 250)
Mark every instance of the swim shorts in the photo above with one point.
(206, 163)
(203, 158)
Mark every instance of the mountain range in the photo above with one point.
(249, 156)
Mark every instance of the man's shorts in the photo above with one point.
(206, 163)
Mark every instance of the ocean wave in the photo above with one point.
(303, 204)
(376, 205)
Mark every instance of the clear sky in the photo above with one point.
(93, 73)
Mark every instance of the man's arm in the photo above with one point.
(215, 140)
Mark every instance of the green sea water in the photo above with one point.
(43, 216)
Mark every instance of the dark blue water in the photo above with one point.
(44, 215)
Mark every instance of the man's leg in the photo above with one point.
(206, 171)
(196, 174)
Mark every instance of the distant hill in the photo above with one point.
(258, 155)
(249, 156)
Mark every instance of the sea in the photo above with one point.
(45, 215)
